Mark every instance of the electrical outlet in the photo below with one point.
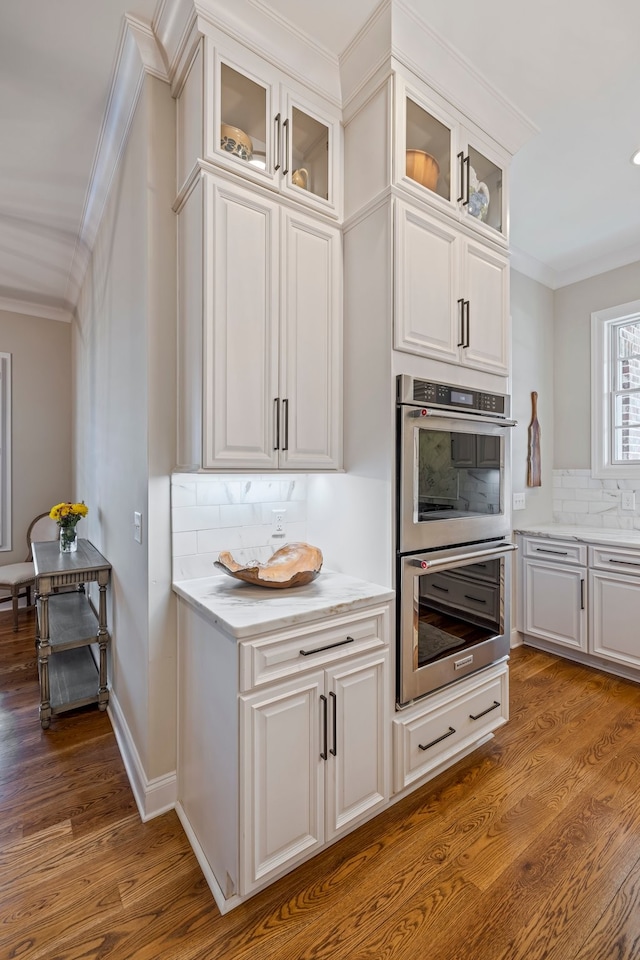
(628, 500)
(278, 523)
(519, 501)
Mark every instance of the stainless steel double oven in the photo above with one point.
(453, 519)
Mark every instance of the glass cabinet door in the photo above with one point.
(482, 187)
(307, 159)
(427, 147)
(245, 130)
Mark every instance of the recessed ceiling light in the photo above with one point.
(636, 158)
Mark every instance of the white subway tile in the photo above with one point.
(185, 543)
(195, 518)
(183, 493)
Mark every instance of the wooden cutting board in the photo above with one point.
(534, 477)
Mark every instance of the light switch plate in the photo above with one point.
(137, 527)
(519, 502)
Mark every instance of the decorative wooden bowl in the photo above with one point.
(293, 565)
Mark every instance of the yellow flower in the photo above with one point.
(66, 514)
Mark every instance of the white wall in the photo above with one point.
(41, 420)
(572, 356)
(125, 423)
(532, 313)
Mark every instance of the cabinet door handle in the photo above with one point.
(323, 752)
(476, 716)
(582, 594)
(276, 123)
(468, 316)
(286, 146)
(461, 305)
(557, 553)
(449, 733)
(334, 752)
(285, 417)
(467, 185)
(276, 417)
(329, 646)
(461, 161)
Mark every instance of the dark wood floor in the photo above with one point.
(529, 848)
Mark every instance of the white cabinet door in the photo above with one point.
(555, 603)
(614, 602)
(357, 765)
(281, 778)
(427, 312)
(241, 320)
(311, 335)
(486, 290)
(451, 294)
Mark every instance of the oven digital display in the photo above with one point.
(458, 397)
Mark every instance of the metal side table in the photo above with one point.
(67, 625)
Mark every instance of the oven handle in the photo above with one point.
(484, 553)
(420, 413)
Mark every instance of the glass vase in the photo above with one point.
(68, 538)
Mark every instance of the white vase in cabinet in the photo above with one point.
(451, 293)
(295, 136)
(314, 761)
(271, 327)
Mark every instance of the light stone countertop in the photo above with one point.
(599, 535)
(243, 610)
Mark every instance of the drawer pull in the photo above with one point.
(468, 596)
(476, 716)
(557, 553)
(425, 746)
(441, 589)
(625, 563)
(329, 646)
(323, 752)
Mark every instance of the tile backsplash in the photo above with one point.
(214, 512)
(578, 498)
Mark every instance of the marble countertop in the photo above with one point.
(244, 610)
(600, 535)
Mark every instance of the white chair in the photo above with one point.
(19, 578)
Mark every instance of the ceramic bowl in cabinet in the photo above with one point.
(235, 141)
(423, 168)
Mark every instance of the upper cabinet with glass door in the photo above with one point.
(263, 126)
(440, 158)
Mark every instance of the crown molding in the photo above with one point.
(532, 268)
(555, 279)
(138, 55)
(29, 308)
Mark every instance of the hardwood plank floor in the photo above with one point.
(528, 848)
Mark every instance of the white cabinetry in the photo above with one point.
(432, 734)
(555, 592)
(272, 322)
(614, 604)
(284, 741)
(314, 761)
(451, 293)
(582, 601)
(468, 172)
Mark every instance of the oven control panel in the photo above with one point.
(449, 396)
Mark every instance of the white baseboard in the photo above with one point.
(223, 905)
(516, 640)
(152, 797)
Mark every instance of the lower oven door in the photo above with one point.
(454, 615)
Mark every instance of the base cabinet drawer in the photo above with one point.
(450, 722)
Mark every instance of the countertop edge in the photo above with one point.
(362, 594)
(614, 537)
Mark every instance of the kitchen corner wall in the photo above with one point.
(214, 512)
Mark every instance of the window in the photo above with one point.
(615, 391)
(5, 451)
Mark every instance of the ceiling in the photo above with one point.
(571, 66)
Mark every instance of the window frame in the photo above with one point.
(5, 452)
(602, 386)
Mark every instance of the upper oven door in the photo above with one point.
(454, 478)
